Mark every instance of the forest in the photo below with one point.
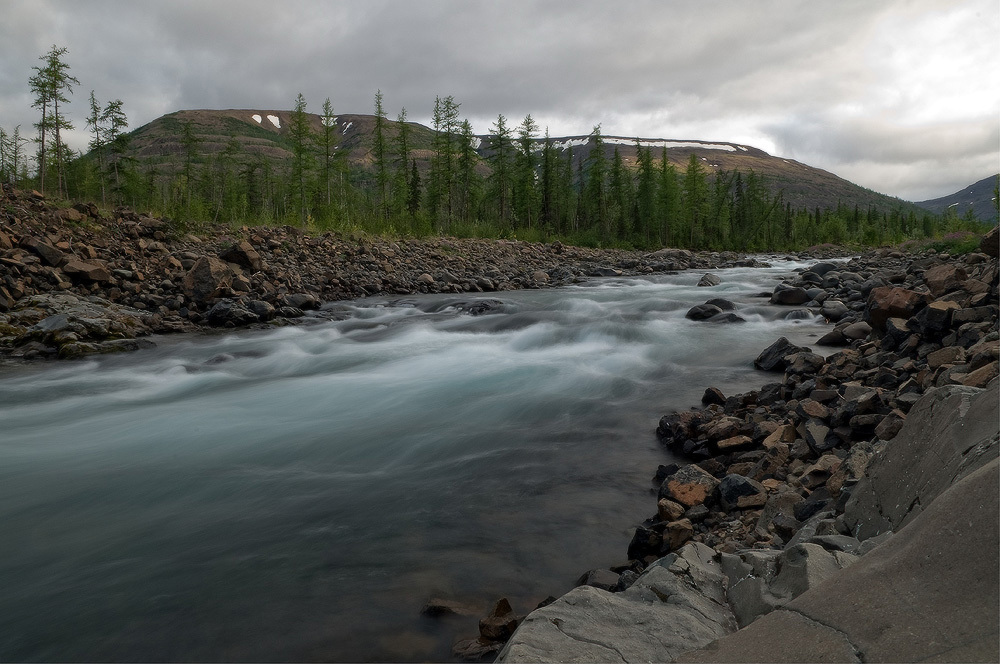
(514, 183)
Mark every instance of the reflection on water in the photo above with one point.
(299, 494)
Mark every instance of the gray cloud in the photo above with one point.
(898, 96)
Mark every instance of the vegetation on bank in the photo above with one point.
(519, 184)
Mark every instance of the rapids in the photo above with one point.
(300, 493)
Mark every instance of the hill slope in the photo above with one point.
(977, 196)
(263, 134)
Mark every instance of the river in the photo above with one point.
(298, 494)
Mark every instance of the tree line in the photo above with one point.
(513, 182)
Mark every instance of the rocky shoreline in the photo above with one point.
(777, 495)
(77, 280)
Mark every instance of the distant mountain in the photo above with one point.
(263, 134)
(978, 196)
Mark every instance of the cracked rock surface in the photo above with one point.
(676, 602)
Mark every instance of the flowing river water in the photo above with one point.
(298, 494)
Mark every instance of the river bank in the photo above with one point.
(789, 484)
(113, 279)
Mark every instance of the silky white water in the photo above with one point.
(299, 494)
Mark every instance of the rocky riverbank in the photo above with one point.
(79, 280)
(789, 484)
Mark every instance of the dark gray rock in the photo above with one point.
(230, 313)
(773, 358)
(786, 294)
(676, 605)
(703, 312)
(709, 280)
(739, 492)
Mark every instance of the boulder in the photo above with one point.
(243, 254)
(230, 313)
(604, 579)
(990, 244)
(786, 294)
(713, 396)
(929, 593)
(739, 492)
(49, 254)
(942, 279)
(929, 454)
(689, 486)
(834, 310)
(678, 603)
(500, 624)
(87, 272)
(773, 358)
(709, 280)
(723, 304)
(702, 312)
(887, 302)
(206, 277)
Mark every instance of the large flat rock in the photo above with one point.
(929, 593)
(677, 601)
(949, 432)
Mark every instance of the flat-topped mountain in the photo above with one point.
(258, 134)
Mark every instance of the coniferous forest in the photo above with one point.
(514, 182)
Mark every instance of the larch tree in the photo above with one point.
(50, 85)
(327, 144)
(97, 141)
(501, 162)
(300, 135)
(525, 190)
(401, 164)
(117, 141)
(379, 152)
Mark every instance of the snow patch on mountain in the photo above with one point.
(274, 120)
(256, 118)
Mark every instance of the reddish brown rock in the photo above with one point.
(689, 486)
(678, 532)
(91, 272)
(206, 277)
(500, 624)
(990, 244)
(942, 279)
(734, 443)
(889, 301)
(982, 376)
(243, 254)
(668, 510)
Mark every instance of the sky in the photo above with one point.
(899, 96)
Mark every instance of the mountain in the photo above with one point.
(978, 196)
(263, 134)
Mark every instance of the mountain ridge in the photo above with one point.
(263, 133)
(977, 197)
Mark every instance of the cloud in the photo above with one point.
(867, 90)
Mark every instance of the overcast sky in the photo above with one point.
(900, 96)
